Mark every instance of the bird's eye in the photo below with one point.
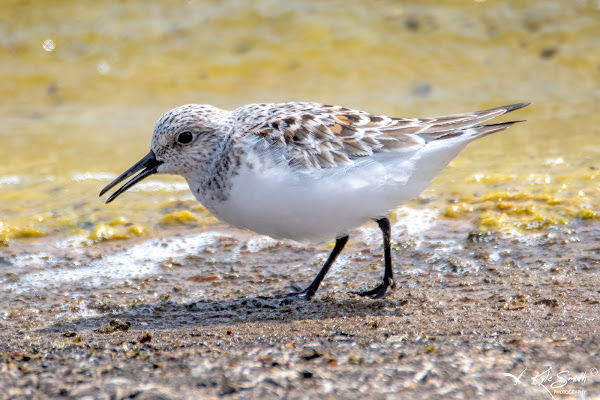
(184, 137)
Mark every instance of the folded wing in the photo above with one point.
(315, 136)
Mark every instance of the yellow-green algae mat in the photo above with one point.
(85, 82)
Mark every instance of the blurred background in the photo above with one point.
(84, 82)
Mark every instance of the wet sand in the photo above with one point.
(454, 325)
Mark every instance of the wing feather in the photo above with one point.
(311, 135)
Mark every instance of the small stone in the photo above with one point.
(115, 325)
(145, 338)
(548, 302)
(307, 374)
(309, 354)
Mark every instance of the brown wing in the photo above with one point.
(324, 136)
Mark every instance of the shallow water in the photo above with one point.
(85, 82)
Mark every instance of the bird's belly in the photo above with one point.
(310, 207)
(297, 218)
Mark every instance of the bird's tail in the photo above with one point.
(469, 125)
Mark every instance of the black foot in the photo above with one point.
(297, 294)
(377, 292)
(300, 293)
(388, 275)
(309, 292)
(298, 289)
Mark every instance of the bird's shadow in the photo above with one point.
(258, 309)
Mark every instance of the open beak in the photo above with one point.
(148, 165)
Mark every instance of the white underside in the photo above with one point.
(327, 203)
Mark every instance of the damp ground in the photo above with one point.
(209, 321)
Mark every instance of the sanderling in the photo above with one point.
(306, 171)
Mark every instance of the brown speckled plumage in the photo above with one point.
(323, 136)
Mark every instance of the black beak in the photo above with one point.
(148, 165)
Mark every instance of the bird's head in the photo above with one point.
(184, 139)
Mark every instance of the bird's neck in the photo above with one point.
(211, 181)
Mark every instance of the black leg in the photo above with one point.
(312, 289)
(388, 275)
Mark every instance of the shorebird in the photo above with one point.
(307, 171)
